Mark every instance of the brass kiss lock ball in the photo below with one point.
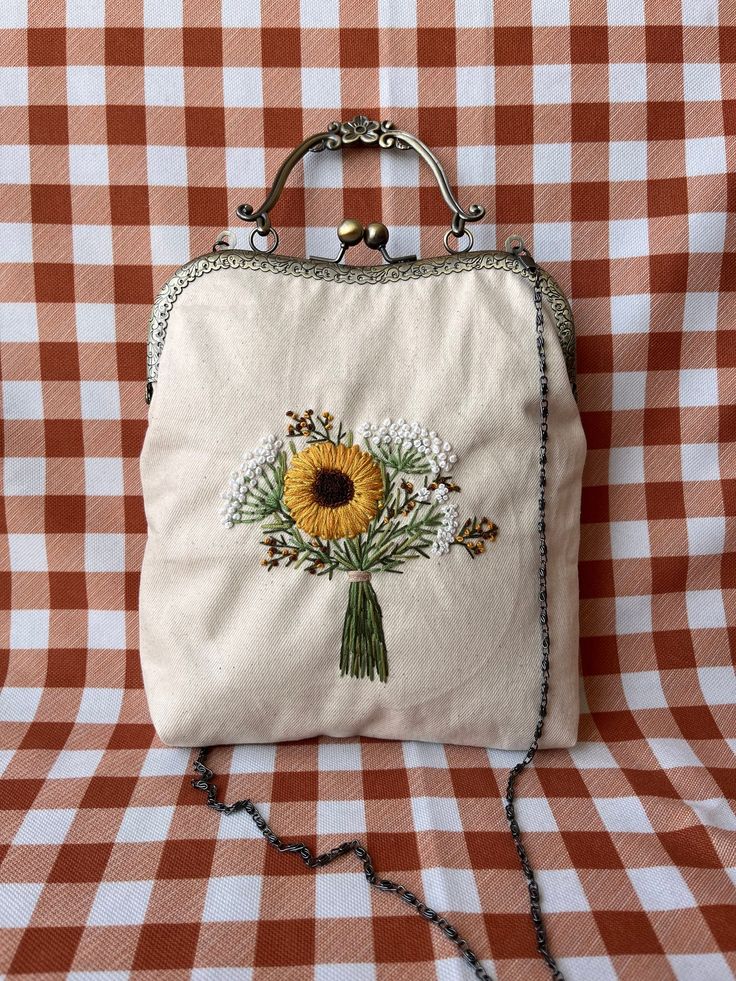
(376, 235)
(350, 231)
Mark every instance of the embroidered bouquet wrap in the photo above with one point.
(341, 484)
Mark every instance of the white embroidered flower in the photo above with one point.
(441, 494)
(410, 447)
(447, 531)
(256, 463)
(423, 494)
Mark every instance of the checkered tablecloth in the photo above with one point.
(604, 134)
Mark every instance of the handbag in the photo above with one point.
(362, 487)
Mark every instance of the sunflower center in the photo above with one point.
(332, 488)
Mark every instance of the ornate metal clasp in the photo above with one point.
(350, 232)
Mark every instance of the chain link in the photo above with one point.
(312, 861)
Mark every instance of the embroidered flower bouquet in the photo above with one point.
(328, 506)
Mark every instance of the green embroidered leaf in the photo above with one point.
(398, 459)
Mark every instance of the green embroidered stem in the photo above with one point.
(363, 652)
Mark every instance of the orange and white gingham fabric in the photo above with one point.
(605, 135)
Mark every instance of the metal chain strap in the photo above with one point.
(535, 908)
(317, 861)
(312, 861)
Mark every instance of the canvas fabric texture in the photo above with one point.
(234, 654)
(604, 134)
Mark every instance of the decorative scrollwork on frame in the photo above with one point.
(357, 275)
(361, 129)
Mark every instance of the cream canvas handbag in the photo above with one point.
(362, 487)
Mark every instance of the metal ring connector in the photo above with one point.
(227, 239)
(270, 233)
(514, 243)
(516, 246)
(466, 233)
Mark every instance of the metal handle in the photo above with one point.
(361, 130)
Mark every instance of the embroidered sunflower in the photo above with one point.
(333, 491)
